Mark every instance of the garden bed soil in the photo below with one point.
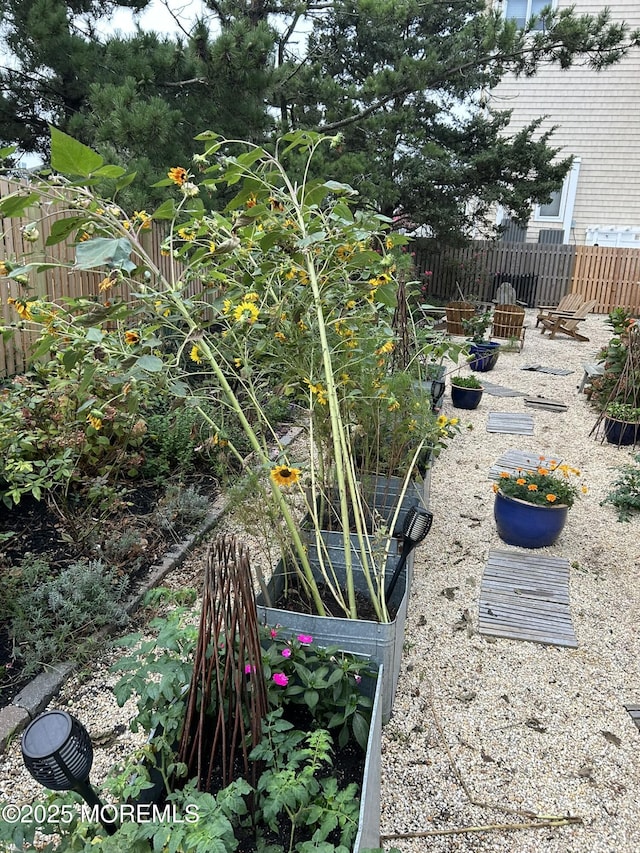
(36, 528)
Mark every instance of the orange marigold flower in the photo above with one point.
(532, 487)
(543, 471)
(551, 498)
(178, 175)
(521, 481)
(505, 475)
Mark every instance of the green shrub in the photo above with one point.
(50, 616)
(625, 496)
(466, 382)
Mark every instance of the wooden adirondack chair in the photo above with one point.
(567, 322)
(569, 302)
(508, 322)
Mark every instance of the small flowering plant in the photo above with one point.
(321, 682)
(549, 484)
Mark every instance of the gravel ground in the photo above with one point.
(510, 724)
(487, 732)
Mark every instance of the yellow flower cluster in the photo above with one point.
(318, 391)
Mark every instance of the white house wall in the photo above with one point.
(598, 120)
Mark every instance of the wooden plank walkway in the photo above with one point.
(508, 422)
(526, 597)
(634, 711)
(546, 403)
(518, 460)
(500, 390)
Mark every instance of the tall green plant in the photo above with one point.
(289, 288)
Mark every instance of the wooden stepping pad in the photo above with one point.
(634, 711)
(500, 390)
(526, 597)
(556, 371)
(546, 403)
(517, 460)
(508, 422)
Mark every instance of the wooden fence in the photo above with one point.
(55, 283)
(541, 274)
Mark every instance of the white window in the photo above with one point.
(560, 207)
(552, 209)
(522, 10)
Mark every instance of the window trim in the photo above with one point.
(567, 202)
(529, 14)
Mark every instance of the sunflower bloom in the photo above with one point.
(178, 175)
(283, 475)
(131, 337)
(246, 311)
(195, 354)
(95, 422)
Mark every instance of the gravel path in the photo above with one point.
(488, 731)
(511, 724)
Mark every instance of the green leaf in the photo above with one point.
(125, 181)
(61, 229)
(104, 251)
(8, 151)
(95, 335)
(70, 157)
(167, 210)
(360, 729)
(17, 204)
(337, 187)
(150, 363)
(110, 171)
(386, 294)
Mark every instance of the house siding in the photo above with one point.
(597, 118)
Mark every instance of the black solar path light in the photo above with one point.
(57, 752)
(417, 523)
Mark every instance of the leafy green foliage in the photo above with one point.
(625, 496)
(390, 76)
(52, 616)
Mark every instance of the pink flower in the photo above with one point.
(280, 679)
(286, 652)
(358, 678)
(274, 633)
(305, 639)
(249, 668)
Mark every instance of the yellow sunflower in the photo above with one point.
(246, 311)
(178, 175)
(283, 475)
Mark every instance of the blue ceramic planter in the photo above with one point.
(621, 432)
(484, 356)
(465, 398)
(527, 525)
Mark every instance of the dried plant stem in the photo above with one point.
(489, 827)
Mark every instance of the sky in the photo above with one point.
(157, 17)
